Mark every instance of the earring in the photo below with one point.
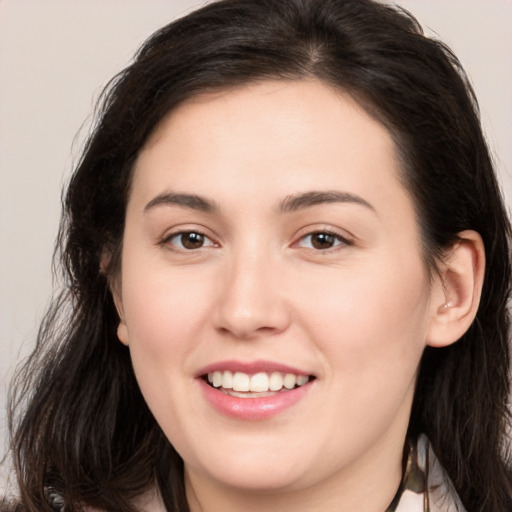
(447, 305)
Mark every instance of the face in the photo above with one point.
(271, 249)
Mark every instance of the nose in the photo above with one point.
(252, 299)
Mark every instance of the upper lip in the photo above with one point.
(250, 368)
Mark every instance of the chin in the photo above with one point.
(255, 471)
(260, 480)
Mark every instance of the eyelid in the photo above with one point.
(345, 238)
(166, 239)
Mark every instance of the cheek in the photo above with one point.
(165, 313)
(370, 323)
(160, 301)
(165, 319)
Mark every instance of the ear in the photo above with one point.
(122, 328)
(114, 284)
(456, 293)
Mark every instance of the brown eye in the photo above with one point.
(192, 240)
(189, 240)
(322, 241)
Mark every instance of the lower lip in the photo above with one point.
(252, 409)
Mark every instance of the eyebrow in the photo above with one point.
(308, 199)
(290, 203)
(192, 201)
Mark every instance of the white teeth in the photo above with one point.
(241, 381)
(227, 380)
(275, 381)
(217, 379)
(302, 379)
(258, 383)
(289, 381)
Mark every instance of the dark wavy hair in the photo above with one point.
(79, 424)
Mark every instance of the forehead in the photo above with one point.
(287, 136)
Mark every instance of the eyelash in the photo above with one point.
(168, 240)
(342, 241)
(338, 240)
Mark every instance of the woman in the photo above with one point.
(288, 272)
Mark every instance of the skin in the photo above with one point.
(357, 315)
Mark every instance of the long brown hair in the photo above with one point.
(79, 424)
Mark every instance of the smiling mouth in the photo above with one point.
(258, 385)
